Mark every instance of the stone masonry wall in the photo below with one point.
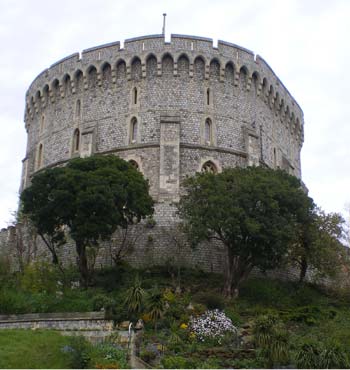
(173, 109)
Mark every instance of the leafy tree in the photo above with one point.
(318, 243)
(252, 212)
(90, 198)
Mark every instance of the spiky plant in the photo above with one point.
(135, 297)
(263, 330)
(155, 306)
(308, 355)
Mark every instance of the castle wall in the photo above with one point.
(171, 108)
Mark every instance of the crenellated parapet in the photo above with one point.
(98, 62)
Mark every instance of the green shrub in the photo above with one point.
(150, 353)
(310, 315)
(263, 330)
(312, 354)
(113, 278)
(233, 315)
(5, 267)
(79, 352)
(106, 355)
(211, 300)
(267, 292)
(135, 297)
(334, 356)
(273, 340)
(176, 362)
(101, 301)
(40, 277)
(14, 302)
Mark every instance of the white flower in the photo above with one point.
(212, 324)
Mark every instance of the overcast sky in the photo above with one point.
(306, 42)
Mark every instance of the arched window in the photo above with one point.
(76, 140)
(133, 130)
(134, 164)
(208, 131)
(134, 96)
(40, 156)
(77, 108)
(209, 167)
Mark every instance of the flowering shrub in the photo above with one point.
(213, 324)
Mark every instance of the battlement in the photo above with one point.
(143, 46)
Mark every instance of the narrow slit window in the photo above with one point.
(135, 96)
(208, 131)
(76, 140)
(40, 156)
(208, 96)
(77, 109)
(133, 130)
(42, 123)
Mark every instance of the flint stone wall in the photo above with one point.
(87, 103)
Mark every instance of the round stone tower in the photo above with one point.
(171, 108)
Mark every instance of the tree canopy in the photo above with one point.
(253, 212)
(318, 244)
(91, 197)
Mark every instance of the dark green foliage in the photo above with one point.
(78, 352)
(102, 302)
(318, 244)
(41, 277)
(135, 297)
(253, 211)
(273, 339)
(155, 305)
(233, 315)
(310, 315)
(107, 355)
(268, 292)
(329, 355)
(91, 196)
(263, 330)
(176, 362)
(210, 300)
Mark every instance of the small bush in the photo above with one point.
(40, 277)
(233, 315)
(108, 356)
(150, 353)
(176, 362)
(312, 354)
(5, 267)
(267, 292)
(79, 352)
(263, 330)
(100, 302)
(211, 300)
(310, 315)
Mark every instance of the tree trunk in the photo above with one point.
(303, 268)
(241, 270)
(82, 263)
(52, 250)
(228, 275)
